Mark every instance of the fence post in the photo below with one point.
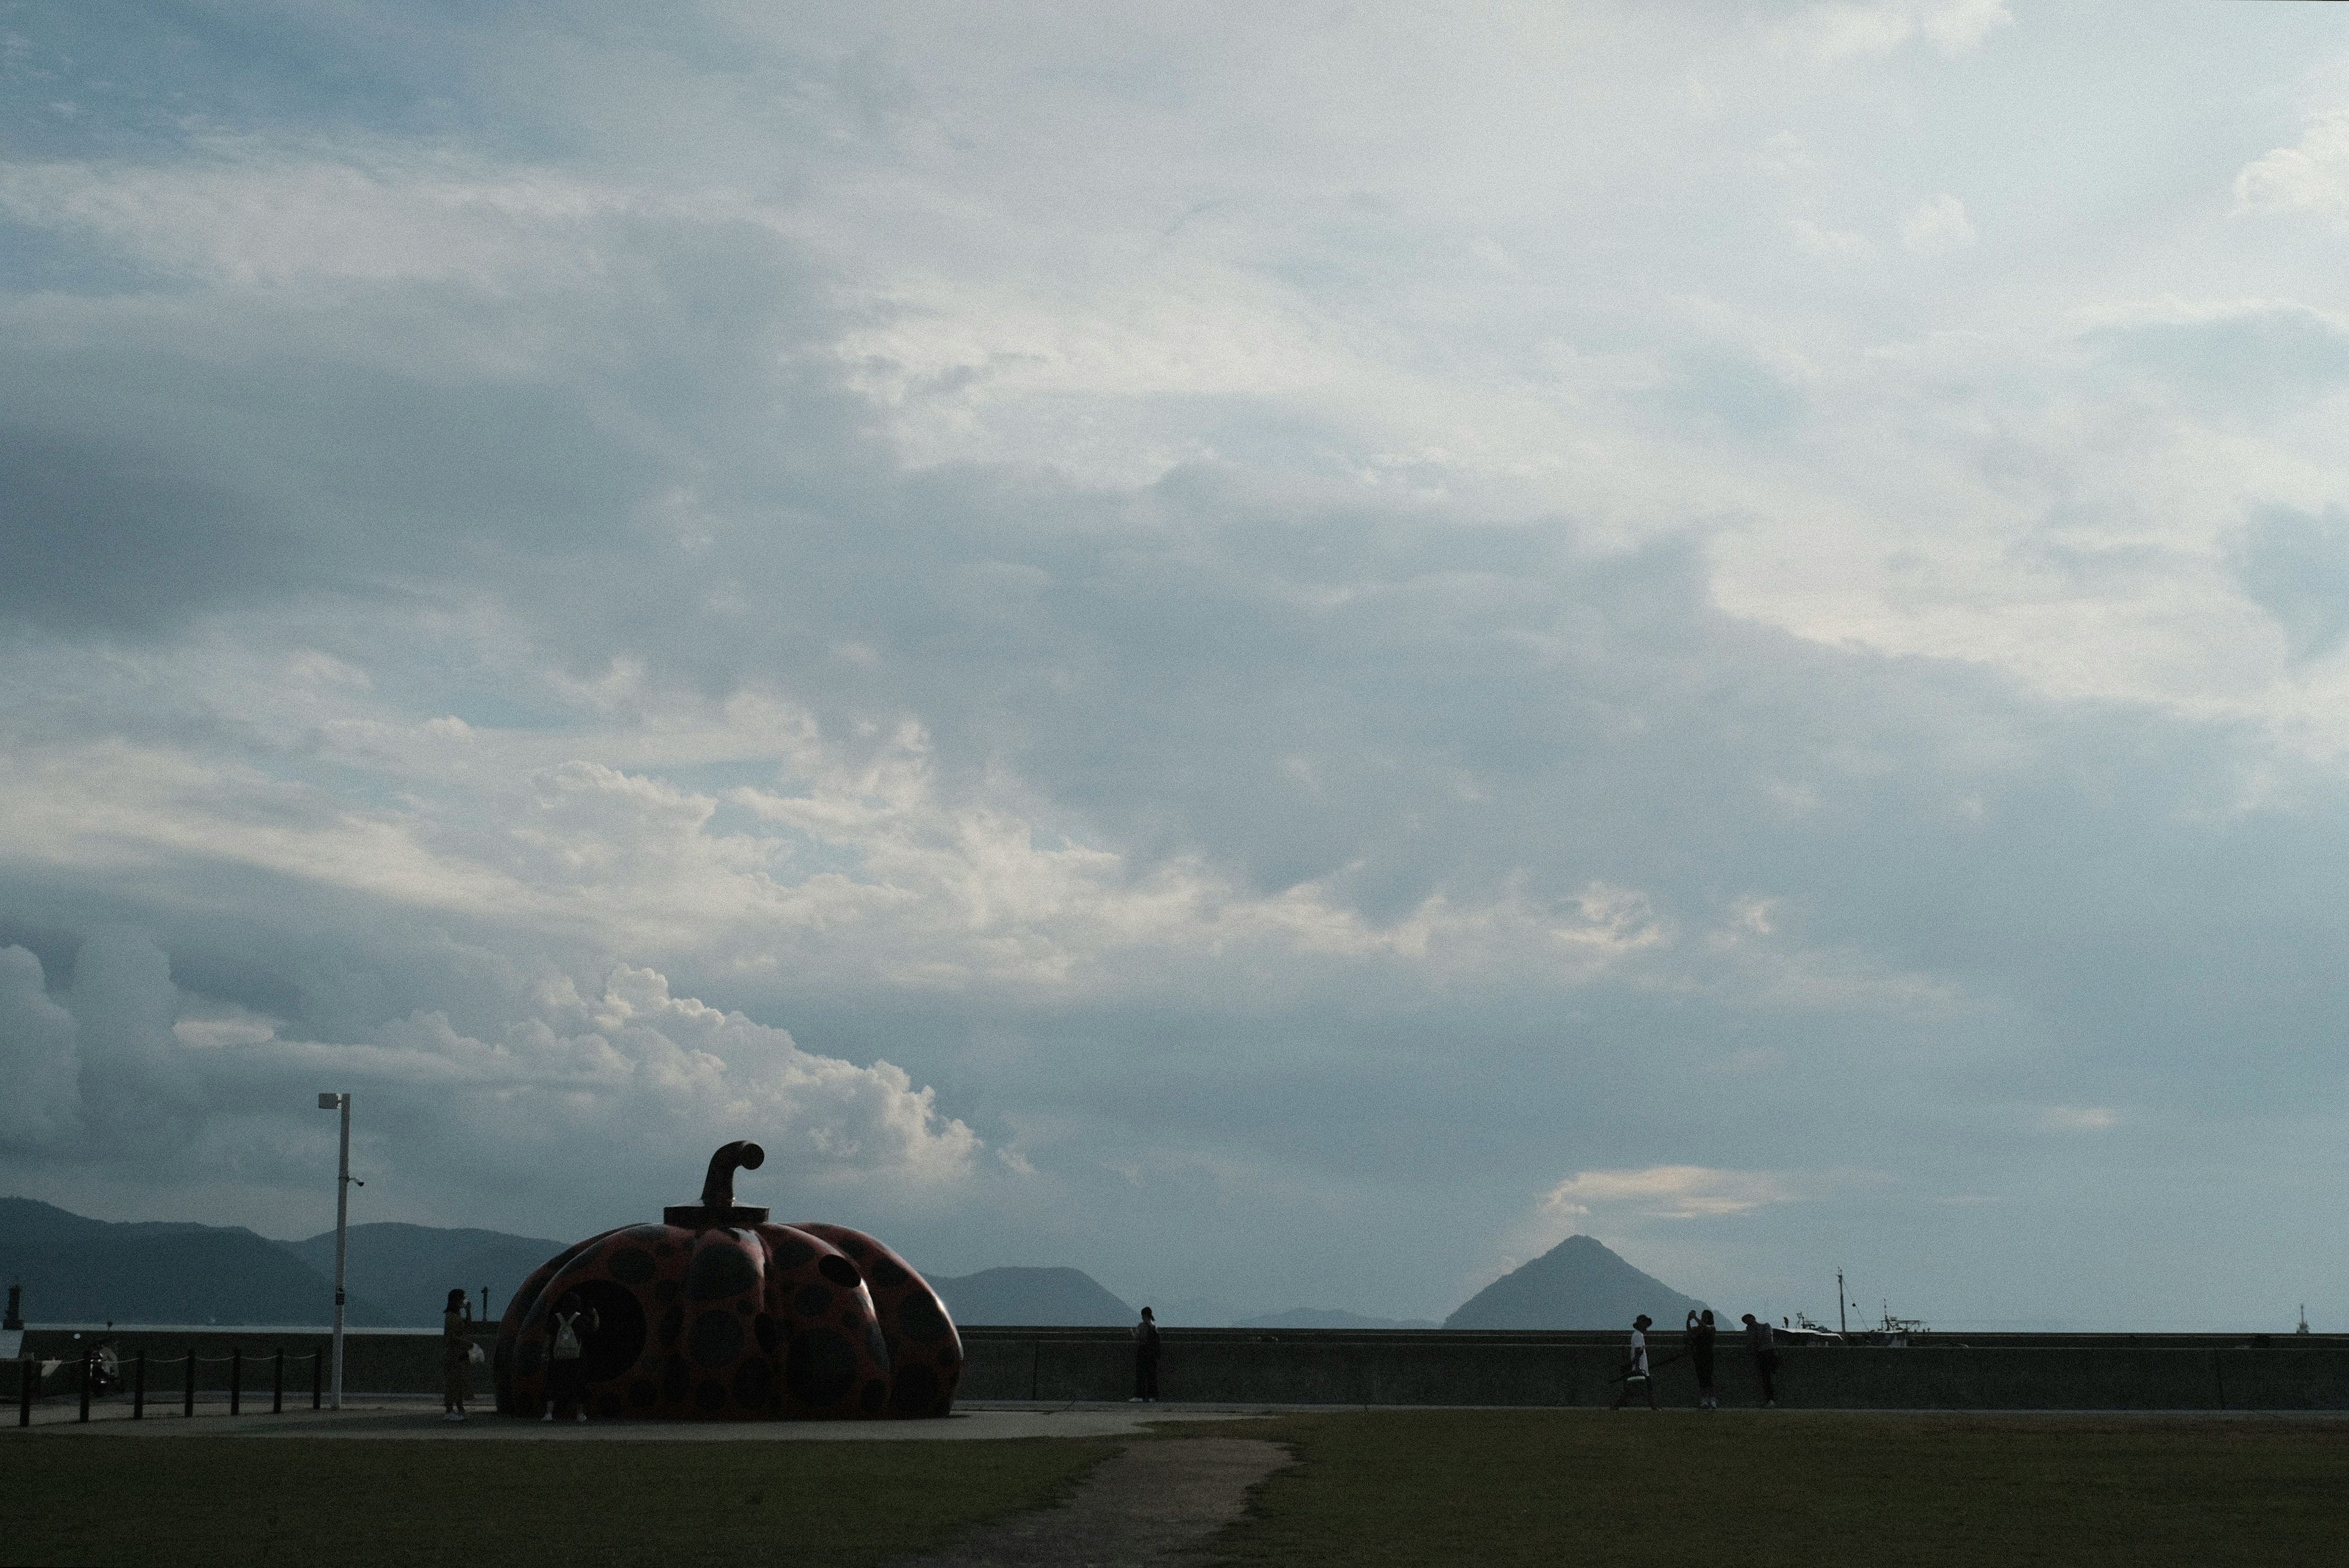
(28, 1375)
(318, 1379)
(187, 1406)
(277, 1386)
(138, 1388)
(86, 1362)
(235, 1380)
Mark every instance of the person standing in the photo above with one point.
(455, 1356)
(1759, 1339)
(1700, 1353)
(1635, 1364)
(1145, 1360)
(567, 1332)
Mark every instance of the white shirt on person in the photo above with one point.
(1639, 1352)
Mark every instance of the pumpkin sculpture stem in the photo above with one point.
(718, 1188)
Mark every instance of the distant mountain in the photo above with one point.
(1065, 1297)
(1329, 1317)
(89, 1271)
(407, 1271)
(1577, 1283)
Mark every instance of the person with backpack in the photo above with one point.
(1764, 1343)
(455, 1356)
(567, 1332)
(1699, 1352)
(1145, 1360)
(1635, 1363)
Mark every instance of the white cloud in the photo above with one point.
(1815, 239)
(250, 215)
(1669, 1193)
(861, 861)
(1935, 227)
(40, 1091)
(2078, 1118)
(2311, 176)
(1862, 29)
(636, 1073)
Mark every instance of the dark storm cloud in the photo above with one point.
(520, 528)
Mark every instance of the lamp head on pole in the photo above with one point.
(330, 1102)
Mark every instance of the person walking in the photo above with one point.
(1699, 1352)
(1635, 1364)
(455, 1356)
(567, 1332)
(1760, 1340)
(1145, 1360)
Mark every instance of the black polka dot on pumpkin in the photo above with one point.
(631, 1265)
(839, 1271)
(821, 1369)
(666, 1290)
(885, 1273)
(813, 1300)
(919, 1319)
(716, 1340)
(789, 1251)
(709, 1396)
(754, 1383)
(718, 1270)
(675, 1377)
(764, 1326)
(609, 1405)
(672, 1323)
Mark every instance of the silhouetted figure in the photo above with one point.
(567, 1332)
(455, 1356)
(1699, 1352)
(1145, 1360)
(1759, 1339)
(1635, 1363)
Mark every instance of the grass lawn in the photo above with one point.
(192, 1502)
(1760, 1489)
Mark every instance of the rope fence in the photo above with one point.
(101, 1372)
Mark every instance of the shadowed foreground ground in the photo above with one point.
(1390, 1487)
(198, 1501)
(1761, 1489)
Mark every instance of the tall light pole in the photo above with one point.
(341, 1102)
(1842, 1322)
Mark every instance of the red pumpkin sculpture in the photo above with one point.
(714, 1314)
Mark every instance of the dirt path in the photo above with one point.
(1143, 1509)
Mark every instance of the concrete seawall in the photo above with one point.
(1329, 1366)
(2037, 1372)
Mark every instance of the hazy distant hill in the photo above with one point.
(407, 1271)
(1577, 1283)
(1329, 1317)
(1059, 1296)
(88, 1271)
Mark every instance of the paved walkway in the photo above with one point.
(1153, 1504)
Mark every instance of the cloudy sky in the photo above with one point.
(1281, 653)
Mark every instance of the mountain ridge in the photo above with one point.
(1580, 1282)
(1057, 1298)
